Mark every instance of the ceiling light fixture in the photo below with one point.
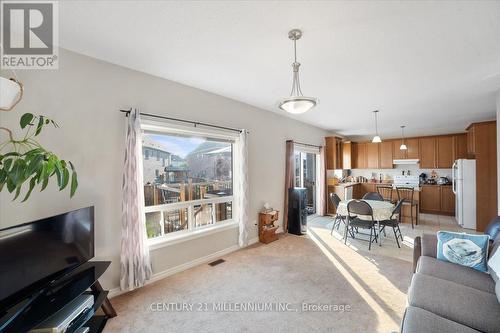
(403, 146)
(297, 103)
(376, 138)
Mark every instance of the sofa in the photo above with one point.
(446, 297)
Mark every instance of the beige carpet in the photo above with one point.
(316, 269)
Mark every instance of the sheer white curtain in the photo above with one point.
(242, 189)
(134, 258)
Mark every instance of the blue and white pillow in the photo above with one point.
(463, 249)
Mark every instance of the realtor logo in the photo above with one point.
(30, 34)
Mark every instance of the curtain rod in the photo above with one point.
(195, 123)
(306, 144)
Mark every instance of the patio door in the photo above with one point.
(306, 171)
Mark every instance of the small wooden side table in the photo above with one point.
(267, 229)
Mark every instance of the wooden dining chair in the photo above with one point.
(407, 195)
(360, 207)
(385, 191)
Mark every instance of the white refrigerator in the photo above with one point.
(464, 187)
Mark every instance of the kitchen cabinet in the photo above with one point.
(447, 200)
(365, 188)
(471, 142)
(427, 148)
(347, 155)
(359, 154)
(410, 153)
(460, 146)
(372, 155)
(397, 153)
(333, 152)
(482, 146)
(413, 149)
(430, 198)
(445, 152)
(330, 209)
(386, 155)
(437, 199)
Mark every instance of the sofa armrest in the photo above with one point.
(429, 245)
(417, 252)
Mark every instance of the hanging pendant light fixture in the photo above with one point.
(297, 103)
(403, 145)
(376, 138)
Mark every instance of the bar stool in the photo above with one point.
(386, 192)
(406, 194)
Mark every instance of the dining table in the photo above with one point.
(382, 210)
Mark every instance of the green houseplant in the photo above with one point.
(25, 161)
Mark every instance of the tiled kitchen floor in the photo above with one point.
(320, 227)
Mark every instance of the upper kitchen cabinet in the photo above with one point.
(372, 155)
(410, 153)
(358, 155)
(397, 153)
(413, 151)
(460, 146)
(386, 155)
(347, 157)
(445, 152)
(333, 152)
(471, 138)
(427, 149)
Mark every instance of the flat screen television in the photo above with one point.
(33, 255)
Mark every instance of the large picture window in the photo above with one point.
(188, 181)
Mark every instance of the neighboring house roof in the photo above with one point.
(219, 151)
(149, 143)
(208, 147)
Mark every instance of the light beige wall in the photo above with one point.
(84, 96)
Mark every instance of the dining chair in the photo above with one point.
(407, 195)
(386, 192)
(373, 196)
(394, 222)
(335, 200)
(360, 207)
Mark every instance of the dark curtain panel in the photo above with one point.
(289, 176)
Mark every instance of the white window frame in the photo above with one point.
(192, 231)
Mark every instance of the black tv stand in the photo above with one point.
(48, 301)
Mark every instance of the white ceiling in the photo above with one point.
(433, 66)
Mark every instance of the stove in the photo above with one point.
(406, 181)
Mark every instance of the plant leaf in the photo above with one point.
(45, 182)
(18, 191)
(74, 184)
(10, 185)
(65, 178)
(26, 119)
(40, 125)
(32, 185)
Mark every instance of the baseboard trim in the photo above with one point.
(190, 264)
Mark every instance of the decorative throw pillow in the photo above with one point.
(463, 249)
(494, 264)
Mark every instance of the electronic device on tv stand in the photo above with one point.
(44, 265)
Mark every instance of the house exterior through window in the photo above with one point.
(189, 185)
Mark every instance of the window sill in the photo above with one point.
(175, 238)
